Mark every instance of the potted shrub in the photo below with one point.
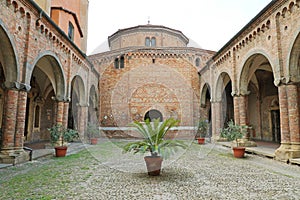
(234, 132)
(153, 142)
(59, 137)
(201, 131)
(93, 133)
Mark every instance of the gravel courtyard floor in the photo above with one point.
(104, 172)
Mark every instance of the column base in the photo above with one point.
(244, 142)
(286, 152)
(14, 156)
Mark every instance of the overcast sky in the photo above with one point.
(210, 23)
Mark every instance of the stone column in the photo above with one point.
(236, 109)
(13, 124)
(9, 120)
(66, 113)
(243, 110)
(60, 112)
(282, 152)
(294, 126)
(21, 115)
(82, 119)
(216, 107)
(242, 115)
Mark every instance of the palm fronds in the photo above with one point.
(153, 134)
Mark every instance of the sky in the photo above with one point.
(210, 23)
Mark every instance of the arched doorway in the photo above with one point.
(263, 114)
(47, 88)
(153, 114)
(9, 70)
(224, 95)
(2, 80)
(205, 109)
(76, 103)
(93, 106)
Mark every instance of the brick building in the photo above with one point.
(44, 73)
(147, 71)
(254, 79)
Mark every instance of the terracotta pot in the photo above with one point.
(61, 151)
(94, 141)
(153, 164)
(201, 140)
(238, 152)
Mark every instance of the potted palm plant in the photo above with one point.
(59, 137)
(153, 142)
(234, 132)
(201, 131)
(93, 133)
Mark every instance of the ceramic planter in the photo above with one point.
(94, 141)
(153, 164)
(61, 151)
(201, 140)
(238, 152)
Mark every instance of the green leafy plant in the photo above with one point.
(62, 135)
(93, 130)
(234, 132)
(153, 134)
(201, 128)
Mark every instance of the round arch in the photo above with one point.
(221, 83)
(251, 64)
(8, 58)
(204, 92)
(153, 114)
(294, 61)
(78, 86)
(93, 106)
(55, 72)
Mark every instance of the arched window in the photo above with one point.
(71, 31)
(197, 62)
(153, 114)
(117, 63)
(122, 62)
(153, 42)
(147, 42)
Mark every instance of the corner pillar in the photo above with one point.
(241, 118)
(14, 124)
(289, 123)
(216, 110)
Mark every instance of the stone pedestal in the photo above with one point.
(287, 151)
(14, 156)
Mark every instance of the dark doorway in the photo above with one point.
(275, 115)
(153, 114)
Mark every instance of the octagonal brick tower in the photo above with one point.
(148, 71)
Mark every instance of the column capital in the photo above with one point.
(241, 93)
(16, 86)
(59, 99)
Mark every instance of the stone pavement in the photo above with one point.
(201, 172)
(263, 149)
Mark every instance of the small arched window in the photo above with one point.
(153, 42)
(71, 31)
(197, 63)
(117, 63)
(122, 62)
(147, 42)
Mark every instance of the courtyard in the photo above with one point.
(103, 171)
